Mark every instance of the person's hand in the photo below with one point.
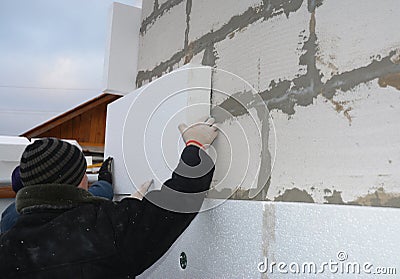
(142, 190)
(201, 133)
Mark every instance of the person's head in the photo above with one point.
(52, 161)
(16, 182)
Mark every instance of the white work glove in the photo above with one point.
(142, 190)
(201, 133)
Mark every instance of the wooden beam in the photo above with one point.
(6, 192)
(84, 144)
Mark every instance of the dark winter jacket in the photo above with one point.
(10, 215)
(65, 232)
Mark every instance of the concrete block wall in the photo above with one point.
(328, 70)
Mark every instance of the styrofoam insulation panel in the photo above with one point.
(231, 240)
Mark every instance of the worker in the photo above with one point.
(101, 188)
(66, 232)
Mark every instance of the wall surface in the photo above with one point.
(285, 240)
(329, 72)
(11, 149)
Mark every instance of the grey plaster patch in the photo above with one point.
(378, 198)
(210, 56)
(313, 4)
(393, 202)
(334, 198)
(396, 57)
(390, 80)
(240, 194)
(188, 11)
(326, 191)
(233, 106)
(295, 195)
(269, 9)
(157, 13)
(279, 7)
(348, 80)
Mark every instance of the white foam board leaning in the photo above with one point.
(141, 130)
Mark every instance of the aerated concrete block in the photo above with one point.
(266, 50)
(208, 16)
(352, 34)
(165, 37)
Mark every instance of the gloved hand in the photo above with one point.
(201, 133)
(105, 172)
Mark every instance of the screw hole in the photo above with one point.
(183, 260)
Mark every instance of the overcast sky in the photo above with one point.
(51, 58)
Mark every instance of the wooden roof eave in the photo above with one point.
(68, 115)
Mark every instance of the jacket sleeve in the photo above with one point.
(147, 229)
(8, 218)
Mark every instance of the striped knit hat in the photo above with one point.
(52, 161)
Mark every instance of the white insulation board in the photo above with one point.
(142, 127)
(231, 240)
